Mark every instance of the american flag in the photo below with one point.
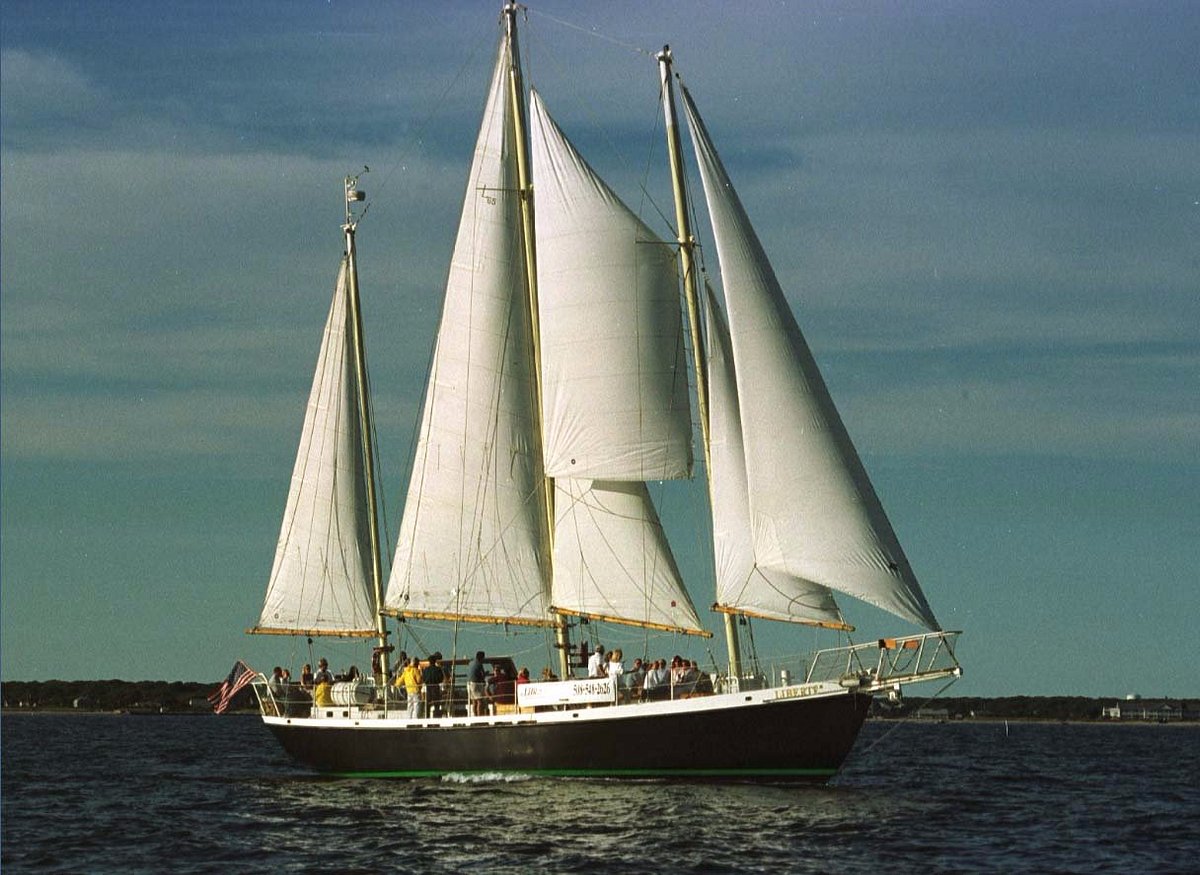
(239, 676)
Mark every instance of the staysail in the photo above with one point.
(814, 513)
(615, 395)
(471, 543)
(744, 586)
(321, 579)
(612, 561)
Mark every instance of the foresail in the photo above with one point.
(743, 586)
(321, 579)
(615, 395)
(814, 512)
(612, 560)
(472, 543)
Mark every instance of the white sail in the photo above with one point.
(814, 512)
(743, 586)
(611, 558)
(321, 579)
(615, 395)
(472, 543)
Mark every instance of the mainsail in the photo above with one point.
(744, 586)
(615, 394)
(813, 511)
(321, 580)
(471, 543)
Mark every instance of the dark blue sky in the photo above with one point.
(986, 216)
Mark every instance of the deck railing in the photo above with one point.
(881, 665)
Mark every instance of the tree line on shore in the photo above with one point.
(109, 695)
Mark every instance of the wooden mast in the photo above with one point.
(691, 287)
(516, 90)
(353, 195)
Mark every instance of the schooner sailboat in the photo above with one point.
(558, 388)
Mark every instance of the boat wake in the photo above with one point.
(485, 778)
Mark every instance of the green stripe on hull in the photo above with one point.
(603, 773)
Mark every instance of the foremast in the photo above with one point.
(691, 287)
(516, 90)
(354, 195)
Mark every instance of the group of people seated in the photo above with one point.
(650, 680)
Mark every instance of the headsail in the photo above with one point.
(471, 542)
(612, 561)
(615, 395)
(321, 579)
(744, 586)
(814, 512)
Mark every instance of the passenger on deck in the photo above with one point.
(306, 677)
(688, 677)
(410, 677)
(277, 682)
(548, 675)
(398, 668)
(432, 679)
(502, 687)
(322, 684)
(658, 681)
(635, 678)
(616, 671)
(596, 663)
(477, 686)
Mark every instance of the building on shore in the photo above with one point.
(1152, 710)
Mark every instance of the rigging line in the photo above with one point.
(592, 32)
(424, 126)
(900, 723)
(569, 74)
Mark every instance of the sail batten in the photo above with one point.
(471, 544)
(814, 513)
(615, 396)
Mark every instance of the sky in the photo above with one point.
(986, 217)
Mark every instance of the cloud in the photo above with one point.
(43, 90)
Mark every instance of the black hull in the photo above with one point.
(786, 740)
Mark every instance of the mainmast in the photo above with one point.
(691, 286)
(525, 191)
(353, 195)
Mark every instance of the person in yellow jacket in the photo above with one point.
(322, 685)
(410, 679)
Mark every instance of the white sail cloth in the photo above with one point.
(612, 560)
(614, 392)
(472, 538)
(742, 584)
(321, 578)
(814, 513)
